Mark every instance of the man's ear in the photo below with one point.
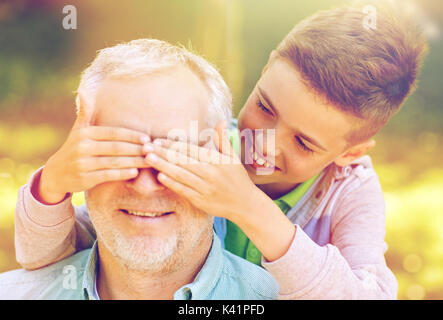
(270, 59)
(354, 152)
(85, 109)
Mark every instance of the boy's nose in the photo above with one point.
(146, 182)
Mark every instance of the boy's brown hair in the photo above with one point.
(366, 72)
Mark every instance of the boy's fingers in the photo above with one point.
(114, 148)
(101, 176)
(180, 174)
(177, 187)
(169, 149)
(85, 110)
(102, 133)
(221, 139)
(189, 149)
(100, 163)
(202, 167)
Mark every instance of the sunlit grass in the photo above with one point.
(78, 198)
(414, 233)
(25, 141)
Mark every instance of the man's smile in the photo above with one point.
(150, 214)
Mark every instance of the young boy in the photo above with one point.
(316, 223)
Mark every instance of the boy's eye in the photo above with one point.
(303, 146)
(262, 106)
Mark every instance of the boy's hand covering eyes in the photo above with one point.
(91, 155)
(214, 181)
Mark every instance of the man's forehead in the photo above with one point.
(153, 104)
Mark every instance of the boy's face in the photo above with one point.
(309, 133)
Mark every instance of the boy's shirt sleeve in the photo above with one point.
(352, 266)
(45, 234)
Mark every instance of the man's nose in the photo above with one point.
(146, 182)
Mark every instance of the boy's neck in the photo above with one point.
(278, 189)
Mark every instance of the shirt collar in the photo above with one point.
(293, 196)
(89, 276)
(344, 172)
(207, 277)
(200, 288)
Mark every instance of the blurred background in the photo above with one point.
(40, 65)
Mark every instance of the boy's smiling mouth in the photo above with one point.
(256, 160)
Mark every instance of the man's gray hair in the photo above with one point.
(146, 56)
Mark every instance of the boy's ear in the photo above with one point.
(354, 152)
(270, 59)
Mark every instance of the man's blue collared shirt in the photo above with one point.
(223, 276)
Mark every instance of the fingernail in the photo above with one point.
(145, 139)
(157, 142)
(152, 157)
(148, 148)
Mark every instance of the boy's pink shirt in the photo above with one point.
(350, 266)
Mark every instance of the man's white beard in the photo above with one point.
(152, 254)
(142, 254)
(148, 253)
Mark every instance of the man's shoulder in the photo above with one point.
(248, 279)
(49, 282)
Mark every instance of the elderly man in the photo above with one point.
(151, 243)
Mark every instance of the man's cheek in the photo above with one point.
(103, 192)
(95, 199)
(194, 214)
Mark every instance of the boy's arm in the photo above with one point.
(352, 266)
(45, 234)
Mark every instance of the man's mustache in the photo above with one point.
(163, 201)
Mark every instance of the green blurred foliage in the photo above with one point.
(40, 64)
(33, 48)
